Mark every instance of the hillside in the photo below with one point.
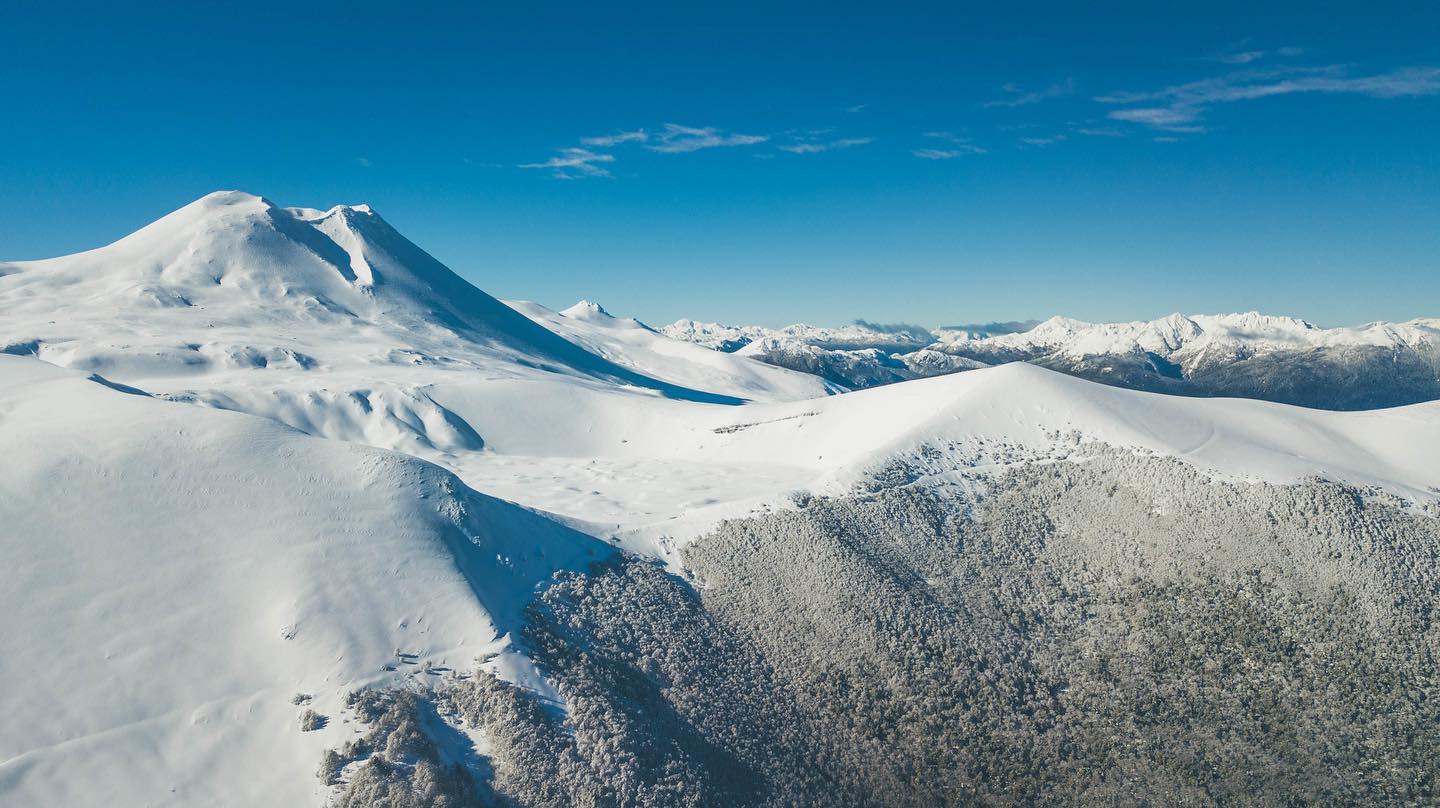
(176, 582)
(291, 514)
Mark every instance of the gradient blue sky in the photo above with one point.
(818, 162)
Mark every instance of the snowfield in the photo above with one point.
(177, 574)
(250, 452)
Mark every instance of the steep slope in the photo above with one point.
(1007, 586)
(633, 344)
(1020, 406)
(195, 290)
(173, 576)
(656, 474)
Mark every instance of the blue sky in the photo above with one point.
(773, 162)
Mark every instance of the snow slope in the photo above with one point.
(232, 282)
(173, 575)
(174, 572)
(654, 474)
(172, 583)
(369, 340)
(633, 344)
(1031, 407)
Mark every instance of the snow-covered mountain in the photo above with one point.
(1193, 342)
(330, 289)
(330, 322)
(631, 343)
(857, 335)
(1249, 355)
(279, 493)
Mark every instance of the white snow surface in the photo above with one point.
(856, 335)
(1188, 340)
(173, 573)
(631, 343)
(173, 576)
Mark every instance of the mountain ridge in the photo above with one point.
(1248, 354)
(236, 262)
(277, 501)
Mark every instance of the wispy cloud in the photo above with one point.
(949, 136)
(856, 108)
(1180, 107)
(607, 141)
(815, 147)
(579, 162)
(1043, 141)
(676, 139)
(575, 163)
(1019, 97)
(1100, 131)
(1240, 58)
(957, 146)
(961, 150)
(1175, 119)
(1236, 53)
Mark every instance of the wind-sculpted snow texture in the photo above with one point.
(1250, 355)
(1122, 630)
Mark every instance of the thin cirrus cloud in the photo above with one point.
(607, 141)
(582, 162)
(957, 146)
(1043, 141)
(575, 163)
(960, 150)
(1021, 98)
(811, 147)
(1181, 107)
(1100, 131)
(1245, 57)
(1241, 58)
(677, 139)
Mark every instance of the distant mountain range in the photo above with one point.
(1248, 355)
(291, 514)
